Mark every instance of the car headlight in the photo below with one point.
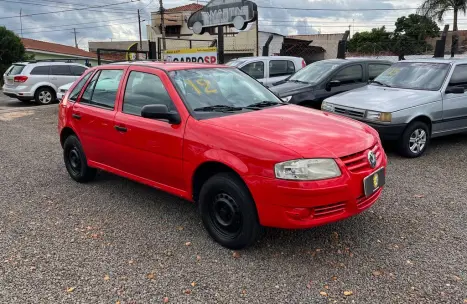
(327, 107)
(307, 169)
(378, 116)
(287, 99)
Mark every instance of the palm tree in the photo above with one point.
(438, 8)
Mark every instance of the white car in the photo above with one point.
(62, 90)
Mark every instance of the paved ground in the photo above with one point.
(115, 241)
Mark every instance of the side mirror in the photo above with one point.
(159, 111)
(333, 84)
(455, 90)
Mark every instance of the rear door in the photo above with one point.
(93, 116)
(14, 70)
(455, 105)
(280, 70)
(61, 74)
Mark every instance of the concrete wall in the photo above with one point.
(328, 42)
(275, 46)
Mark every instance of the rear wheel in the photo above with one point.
(76, 162)
(229, 212)
(44, 96)
(414, 140)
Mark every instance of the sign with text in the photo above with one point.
(197, 55)
(237, 13)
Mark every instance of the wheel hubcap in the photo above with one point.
(417, 141)
(75, 160)
(225, 215)
(45, 97)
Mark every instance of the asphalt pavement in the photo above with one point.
(116, 241)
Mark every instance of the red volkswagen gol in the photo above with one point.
(213, 135)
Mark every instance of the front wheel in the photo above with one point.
(229, 212)
(414, 140)
(76, 162)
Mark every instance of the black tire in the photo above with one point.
(409, 138)
(229, 212)
(76, 162)
(45, 96)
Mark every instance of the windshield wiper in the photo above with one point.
(298, 81)
(380, 83)
(218, 108)
(264, 104)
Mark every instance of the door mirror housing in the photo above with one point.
(160, 111)
(333, 84)
(455, 90)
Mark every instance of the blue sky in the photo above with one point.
(119, 22)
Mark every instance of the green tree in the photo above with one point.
(439, 8)
(11, 49)
(377, 40)
(411, 33)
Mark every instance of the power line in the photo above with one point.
(78, 28)
(338, 9)
(50, 5)
(75, 4)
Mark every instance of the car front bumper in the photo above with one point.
(301, 205)
(388, 132)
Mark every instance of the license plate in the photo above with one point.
(373, 182)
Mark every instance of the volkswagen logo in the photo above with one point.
(372, 159)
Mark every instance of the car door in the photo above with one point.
(256, 69)
(60, 75)
(279, 70)
(93, 116)
(349, 77)
(152, 148)
(455, 105)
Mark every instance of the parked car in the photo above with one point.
(322, 79)
(39, 80)
(213, 135)
(412, 102)
(62, 90)
(270, 69)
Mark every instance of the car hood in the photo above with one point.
(308, 132)
(290, 88)
(66, 86)
(378, 98)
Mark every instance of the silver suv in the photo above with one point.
(411, 102)
(39, 81)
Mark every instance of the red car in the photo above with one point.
(215, 136)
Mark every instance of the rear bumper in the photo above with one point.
(17, 92)
(388, 132)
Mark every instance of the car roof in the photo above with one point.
(48, 63)
(268, 57)
(169, 66)
(437, 60)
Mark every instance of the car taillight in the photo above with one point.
(20, 78)
(303, 63)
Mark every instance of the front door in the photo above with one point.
(151, 149)
(93, 117)
(455, 105)
(350, 77)
(61, 75)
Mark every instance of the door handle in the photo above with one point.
(120, 129)
(76, 116)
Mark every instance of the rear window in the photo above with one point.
(60, 70)
(16, 69)
(77, 70)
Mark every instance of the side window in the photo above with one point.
(40, 70)
(102, 89)
(281, 68)
(350, 75)
(77, 70)
(459, 76)
(60, 70)
(254, 69)
(144, 89)
(375, 69)
(75, 93)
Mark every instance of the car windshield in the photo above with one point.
(16, 69)
(221, 88)
(414, 75)
(315, 72)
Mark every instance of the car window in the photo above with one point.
(349, 75)
(281, 68)
(254, 69)
(459, 76)
(315, 72)
(144, 89)
(15, 69)
(75, 93)
(63, 70)
(102, 89)
(41, 70)
(375, 69)
(77, 70)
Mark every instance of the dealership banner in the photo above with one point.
(198, 55)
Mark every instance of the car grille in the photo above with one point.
(349, 112)
(329, 210)
(359, 161)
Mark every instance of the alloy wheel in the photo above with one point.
(417, 141)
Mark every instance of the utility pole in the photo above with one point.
(76, 41)
(164, 45)
(140, 39)
(21, 21)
